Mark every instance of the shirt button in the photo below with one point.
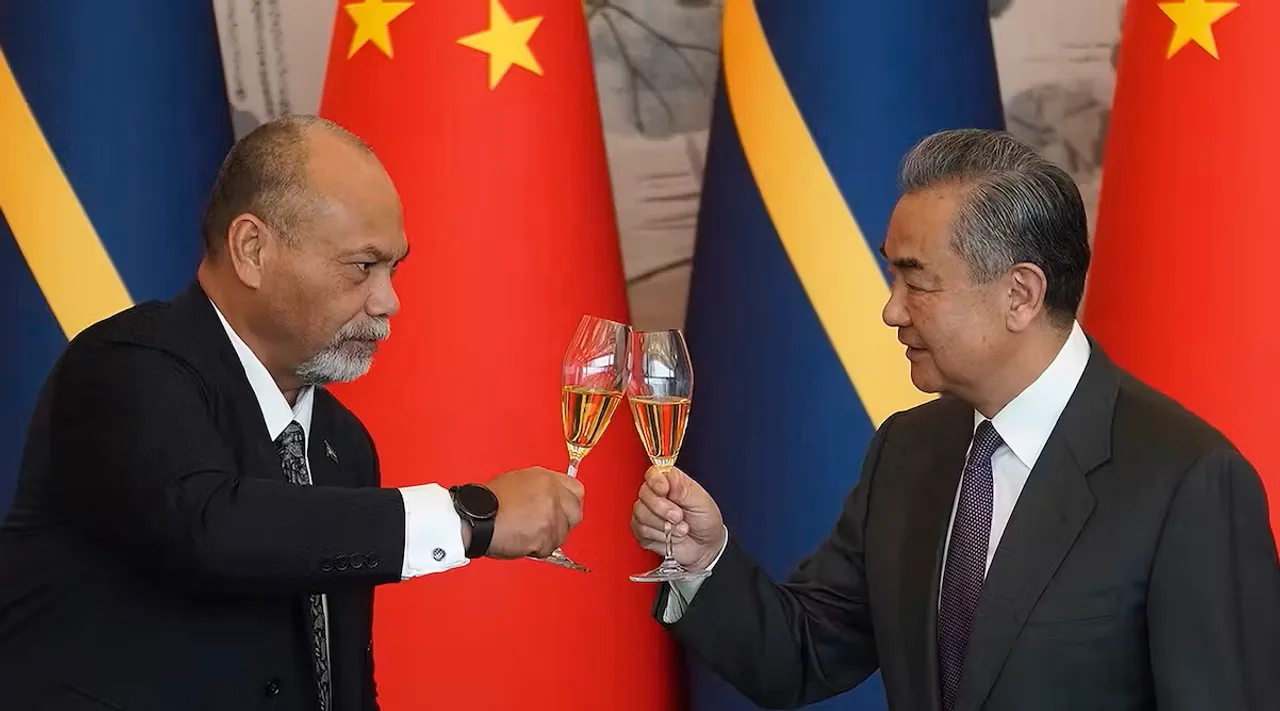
(438, 554)
(272, 687)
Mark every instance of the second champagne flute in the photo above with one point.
(593, 378)
(660, 392)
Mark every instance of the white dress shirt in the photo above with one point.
(433, 529)
(1024, 424)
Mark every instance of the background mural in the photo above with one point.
(656, 63)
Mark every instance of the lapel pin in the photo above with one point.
(328, 451)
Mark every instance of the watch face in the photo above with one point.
(477, 501)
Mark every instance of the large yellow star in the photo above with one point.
(505, 42)
(1194, 20)
(373, 23)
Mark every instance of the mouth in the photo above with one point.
(913, 353)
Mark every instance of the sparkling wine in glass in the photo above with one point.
(660, 391)
(586, 413)
(593, 379)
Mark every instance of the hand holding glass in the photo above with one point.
(593, 378)
(660, 393)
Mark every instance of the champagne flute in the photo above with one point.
(660, 391)
(593, 378)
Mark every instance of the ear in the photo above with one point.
(1027, 286)
(246, 240)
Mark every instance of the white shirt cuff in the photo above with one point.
(432, 531)
(682, 591)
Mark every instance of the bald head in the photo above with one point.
(282, 171)
(303, 232)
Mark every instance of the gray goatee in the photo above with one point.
(347, 356)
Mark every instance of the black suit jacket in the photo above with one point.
(156, 558)
(1137, 572)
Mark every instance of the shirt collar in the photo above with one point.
(275, 408)
(1027, 421)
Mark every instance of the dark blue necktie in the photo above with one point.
(291, 446)
(966, 563)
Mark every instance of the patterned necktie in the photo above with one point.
(966, 560)
(292, 449)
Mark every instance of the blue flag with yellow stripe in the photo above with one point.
(817, 103)
(113, 121)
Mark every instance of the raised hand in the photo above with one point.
(537, 508)
(671, 497)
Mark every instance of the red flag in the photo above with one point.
(1181, 291)
(485, 114)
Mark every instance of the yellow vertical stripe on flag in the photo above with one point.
(54, 234)
(823, 241)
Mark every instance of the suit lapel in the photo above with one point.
(1054, 506)
(939, 475)
(322, 454)
(203, 341)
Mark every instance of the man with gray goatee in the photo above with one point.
(198, 523)
(1050, 535)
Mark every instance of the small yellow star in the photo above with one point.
(505, 42)
(373, 23)
(1194, 20)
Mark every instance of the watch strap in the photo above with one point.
(481, 537)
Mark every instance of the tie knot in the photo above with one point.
(291, 439)
(986, 440)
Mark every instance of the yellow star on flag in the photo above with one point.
(506, 43)
(1194, 20)
(373, 23)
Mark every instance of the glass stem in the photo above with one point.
(670, 558)
(573, 467)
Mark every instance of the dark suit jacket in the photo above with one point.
(1137, 572)
(156, 558)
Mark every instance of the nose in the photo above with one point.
(383, 302)
(895, 309)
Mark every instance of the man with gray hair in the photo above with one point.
(198, 523)
(1049, 534)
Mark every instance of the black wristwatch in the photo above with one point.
(478, 506)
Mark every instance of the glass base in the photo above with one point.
(558, 557)
(669, 571)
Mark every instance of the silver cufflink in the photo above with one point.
(438, 554)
